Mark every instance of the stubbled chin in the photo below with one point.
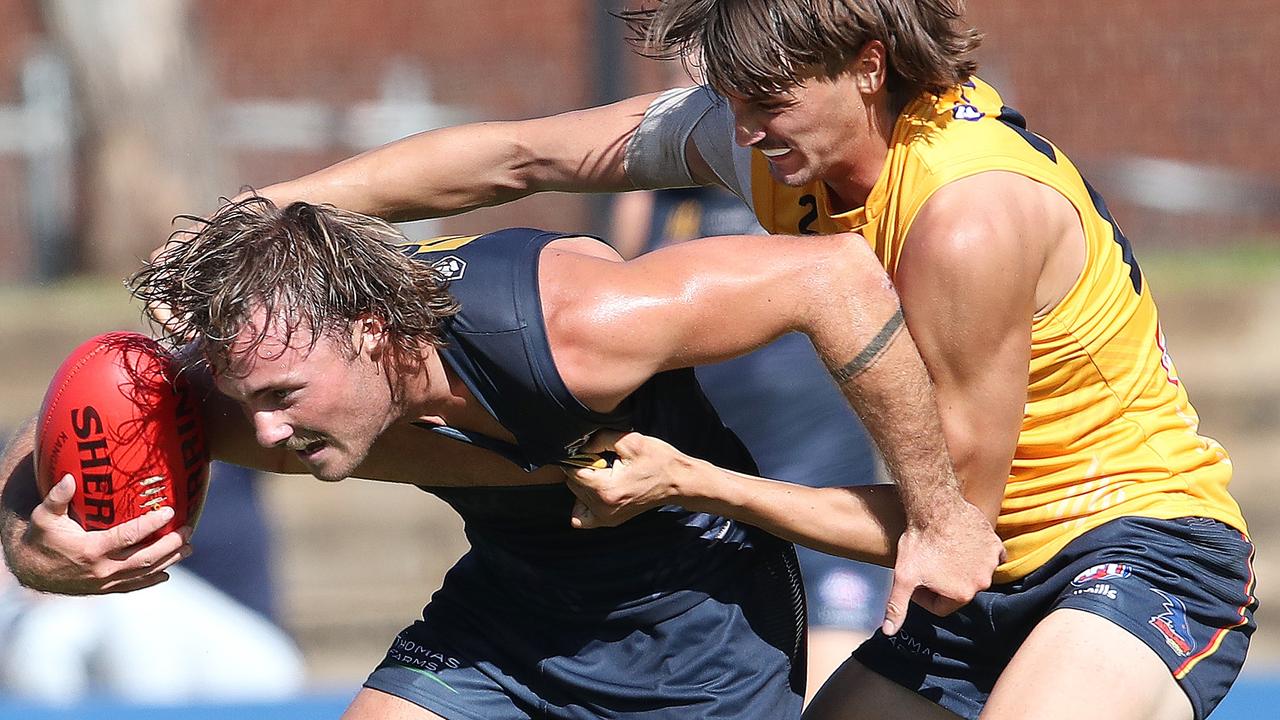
(337, 465)
(323, 476)
(791, 178)
(323, 470)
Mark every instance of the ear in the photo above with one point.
(369, 337)
(870, 67)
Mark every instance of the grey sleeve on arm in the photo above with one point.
(655, 155)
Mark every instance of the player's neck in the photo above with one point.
(439, 397)
(852, 177)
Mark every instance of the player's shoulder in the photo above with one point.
(965, 122)
(500, 251)
(976, 213)
(574, 275)
(571, 246)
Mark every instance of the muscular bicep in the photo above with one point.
(967, 283)
(613, 325)
(685, 138)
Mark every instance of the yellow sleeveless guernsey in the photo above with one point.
(1108, 430)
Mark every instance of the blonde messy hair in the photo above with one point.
(311, 267)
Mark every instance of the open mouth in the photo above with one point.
(305, 447)
(775, 152)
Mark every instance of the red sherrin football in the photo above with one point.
(120, 418)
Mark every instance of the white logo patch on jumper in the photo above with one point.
(450, 267)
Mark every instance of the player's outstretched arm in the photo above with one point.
(47, 550)
(613, 324)
(452, 170)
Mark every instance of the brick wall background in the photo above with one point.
(495, 60)
(1176, 80)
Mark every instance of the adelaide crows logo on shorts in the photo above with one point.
(1172, 624)
(1105, 571)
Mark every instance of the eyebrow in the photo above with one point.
(251, 393)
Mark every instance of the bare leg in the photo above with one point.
(1074, 655)
(856, 693)
(377, 705)
(829, 647)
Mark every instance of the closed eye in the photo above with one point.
(773, 104)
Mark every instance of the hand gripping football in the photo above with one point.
(121, 419)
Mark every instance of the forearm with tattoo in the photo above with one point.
(872, 352)
(888, 385)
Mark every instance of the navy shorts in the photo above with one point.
(734, 653)
(1184, 587)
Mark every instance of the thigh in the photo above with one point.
(846, 604)
(1077, 663)
(1182, 588)
(376, 705)
(855, 692)
(1178, 593)
(829, 648)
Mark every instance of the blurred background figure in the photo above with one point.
(182, 641)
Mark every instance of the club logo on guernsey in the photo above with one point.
(1172, 624)
(1105, 571)
(451, 267)
(965, 110)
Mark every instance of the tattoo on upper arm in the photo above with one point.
(872, 352)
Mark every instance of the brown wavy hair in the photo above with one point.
(758, 48)
(312, 267)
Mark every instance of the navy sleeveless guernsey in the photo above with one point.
(674, 614)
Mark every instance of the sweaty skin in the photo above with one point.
(612, 325)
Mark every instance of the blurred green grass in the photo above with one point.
(82, 301)
(40, 324)
(1242, 265)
